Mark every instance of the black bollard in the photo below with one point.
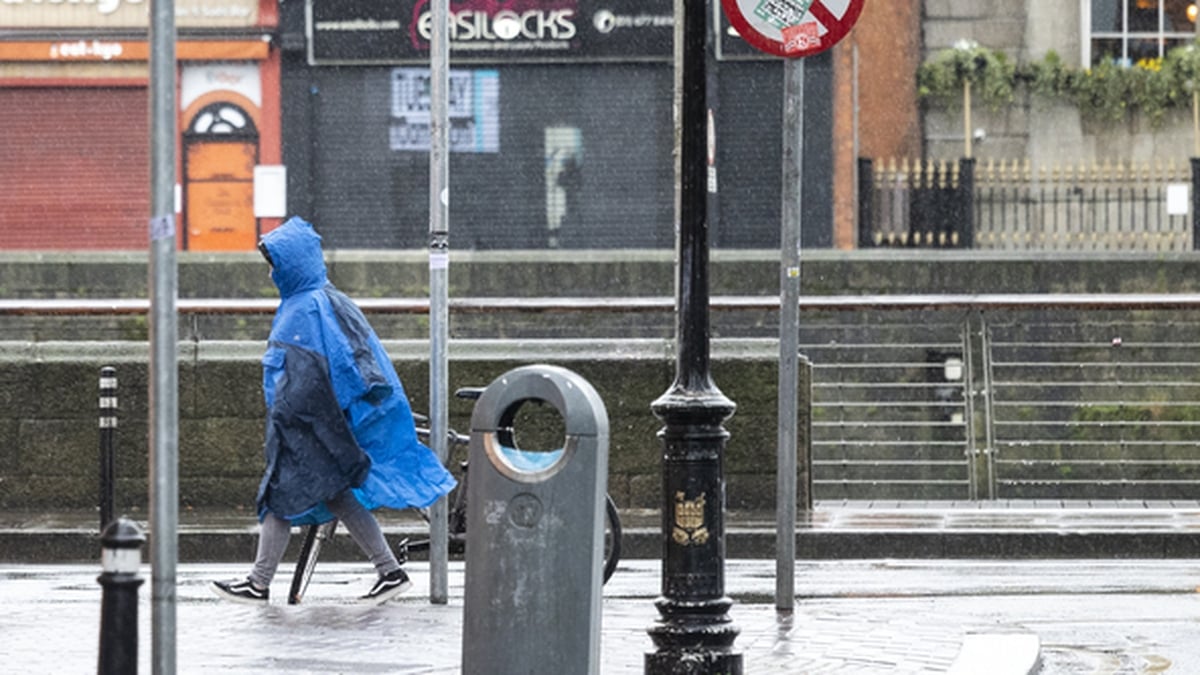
(120, 558)
(108, 432)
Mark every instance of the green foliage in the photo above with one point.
(990, 73)
(1108, 92)
(135, 328)
(1183, 63)
(1154, 421)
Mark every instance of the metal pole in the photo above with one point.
(789, 333)
(108, 430)
(694, 633)
(163, 388)
(969, 402)
(967, 151)
(857, 145)
(439, 268)
(1195, 164)
(1195, 123)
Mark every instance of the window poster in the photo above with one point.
(474, 110)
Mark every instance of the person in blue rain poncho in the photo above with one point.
(340, 438)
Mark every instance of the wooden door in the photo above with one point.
(220, 195)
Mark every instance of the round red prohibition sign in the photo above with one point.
(792, 28)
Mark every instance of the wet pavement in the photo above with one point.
(881, 588)
(863, 616)
(1001, 529)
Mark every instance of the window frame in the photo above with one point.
(1162, 36)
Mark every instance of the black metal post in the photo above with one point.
(966, 187)
(804, 475)
(694, 633)
(120, 558)
(108, 431)
(866, 203)
(1195, 162)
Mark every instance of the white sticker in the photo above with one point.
(439, 261)
(162, 227)
(1177, 199)
(712, 179)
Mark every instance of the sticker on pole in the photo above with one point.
(792, 28)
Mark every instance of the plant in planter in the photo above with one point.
(1183, 67)
(1108, 92)
(963, 70)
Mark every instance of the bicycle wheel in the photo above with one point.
(314, 537)
(612, 538)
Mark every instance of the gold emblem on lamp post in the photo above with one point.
(689, 521)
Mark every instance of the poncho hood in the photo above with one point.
(297, 262)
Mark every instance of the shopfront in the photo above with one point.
(561, 126)
(73, 111)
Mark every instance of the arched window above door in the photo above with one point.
(222, 120)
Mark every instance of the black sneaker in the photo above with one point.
(242, 590)
(387, 587)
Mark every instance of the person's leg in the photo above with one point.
(272, 543)
(364, 529)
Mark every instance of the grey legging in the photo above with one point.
(364, 529)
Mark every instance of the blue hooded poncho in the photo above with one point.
(337, 415)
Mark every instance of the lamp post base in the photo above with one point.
(689, 662)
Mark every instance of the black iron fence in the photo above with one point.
(1011, 205)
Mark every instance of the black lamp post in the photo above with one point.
(694, 633)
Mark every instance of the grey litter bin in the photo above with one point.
(535, 530)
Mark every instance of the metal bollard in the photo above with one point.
(536, 538)
(108, 432)
(120, 558)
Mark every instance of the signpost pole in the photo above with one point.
(439, 268)
(164, 378)
(792, 29)
(789, 334)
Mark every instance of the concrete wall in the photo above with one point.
(48, 389)
(48, 416)
(404, 274)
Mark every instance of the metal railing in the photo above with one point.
(1013, 205)
(1066, 397)
(1098, 207)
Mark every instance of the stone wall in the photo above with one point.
(48, 388)
(48, 416)
(372, 274)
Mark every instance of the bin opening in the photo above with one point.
(531, 439)
(524, 460)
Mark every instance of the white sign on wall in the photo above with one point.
(1177, 199)
(270, 191)
(474, 110)
(239, 78)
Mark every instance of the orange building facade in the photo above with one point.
(73, 106)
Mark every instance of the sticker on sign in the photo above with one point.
(792, 28)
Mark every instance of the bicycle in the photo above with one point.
(315, 536)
